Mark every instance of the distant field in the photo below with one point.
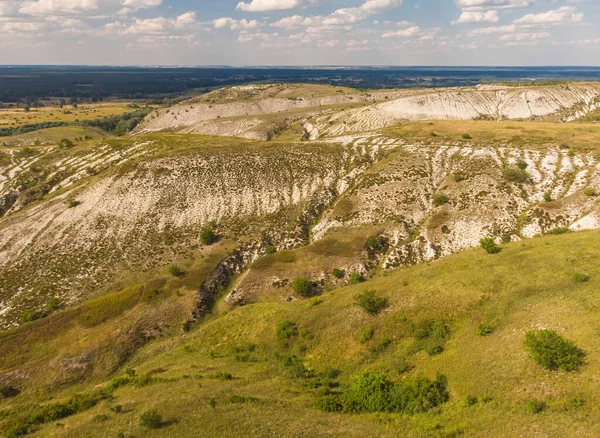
(15, 117)
(582, 137)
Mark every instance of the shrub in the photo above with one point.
(559, 230)
(151, 419)
(270, 249)
(286, 330)
(429, 336)
(355, 278)
(516, 175)
(7, 391)
(552, 351)
(312, 302)
(489, 245)
(381, 346)
(548, 196)
(522, 165)
(535, 406)
(439, 199)
(467, 136)
(365, 334)
(223, 376)
(376, 243)
(590, 192)
(212, 403)
(208, 235)
(53, 304)
(459, 177)
(469, 401)
(176, 271)
(31, 315)
(581, 278)
(303, 287)
(339, 273)
(65, 143)
(71, 202)
(484, 330)
(370, 302)
(235, 399)
(373, 392)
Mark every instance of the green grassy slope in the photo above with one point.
(530, 284)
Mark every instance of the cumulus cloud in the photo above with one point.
(566, 14)
(402, 33)
(269, 5)
(477, 17)
(227, 22)
(85, 7)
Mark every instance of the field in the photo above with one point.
(580, 136)
(15, 117)
(190, 370)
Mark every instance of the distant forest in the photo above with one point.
(32, 83)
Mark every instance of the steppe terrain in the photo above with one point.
(163, 262)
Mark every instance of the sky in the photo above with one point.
(300, 32)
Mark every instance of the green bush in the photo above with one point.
(439, 199)
(376, 243)
(381, 345)
(355, 278)
(559, 230)
(489, 245)
(548, 196)
(151, 419)
(270, 249)
(65, 143)
(208, 236)
(581, 278)
(370, 302)
(484, 330)
(71, 202)
(176, 271)
(7, 391)
(467, 136)
(286, 330)
(365, 334)
(535, 406)
(429, 336)
(303, 287)
(590, 192)
(469, 401)
(522, 165)
(374, 392)
(339, 273)
(552, 351)
(516, 175)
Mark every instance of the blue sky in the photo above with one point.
(300, 32)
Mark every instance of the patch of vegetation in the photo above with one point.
(489, 245)
(522, 165)
(581, 278)
(286, 330)
(65, 143)
(429, 335)
(484, 330)
(270, 249)
(516, 175)
(548, 196)
(176, 271)
(365, 334)
(71, 201)
(208, 236)
(110, 306)
(439, 199)
(535, 406)
(303, 287)
(355, 278)
(590, 192)
(370, 302)
(151, 419)
(339, 273)
(376, 243)
(466, 136)
(381, 345)
(459, 177)
(552, 351)
(469, 401)
(559, 230)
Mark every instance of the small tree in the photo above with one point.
(516, 175)
(370, 302)
(548, 196)
(489, 245)
(356, 277)
(303, 286)
(65, 143)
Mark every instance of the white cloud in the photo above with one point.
(289, 22)
(269, 5)
(494, 29)
(493, 4)
(85, 7)
(377, 6)
(402, 33)
(524, 36)
(566, 14)
(227, 22)
(477, 17)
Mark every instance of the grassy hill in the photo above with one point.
(234, 374)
